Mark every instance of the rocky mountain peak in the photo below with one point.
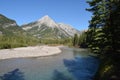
(46, 17)
(46, 27)
(47, 21)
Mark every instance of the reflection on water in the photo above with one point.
(81, 52)
(13, 75)
(69, 65)
(57, 75)
(82, 68)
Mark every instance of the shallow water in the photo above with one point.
(71, 64)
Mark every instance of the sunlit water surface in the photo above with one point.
(71, 64)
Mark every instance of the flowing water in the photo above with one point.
(71, 64)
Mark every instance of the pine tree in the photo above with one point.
(75, 40)
(104, 36)
(95, 33)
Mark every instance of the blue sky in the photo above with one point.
(70, 12)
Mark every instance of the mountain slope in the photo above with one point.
(8, 26)
(68, 29)
(48, 28)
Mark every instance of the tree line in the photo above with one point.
(79, 40)
(103, 37)
(13, 41)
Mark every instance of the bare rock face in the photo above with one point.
(47, 21)
(68, 29)
(46, 27)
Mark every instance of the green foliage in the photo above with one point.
(103, 28)
(66, 41)
(83, 40)
(16, 41)
(96, 39)
(103, 36)
(80, 41)
(21, 40)
(75, 40)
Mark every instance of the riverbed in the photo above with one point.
(70, 64)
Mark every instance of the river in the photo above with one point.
(71, 64)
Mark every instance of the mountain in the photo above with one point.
(46, 27)
(8, 26)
